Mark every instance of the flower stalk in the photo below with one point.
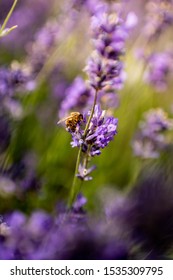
(74, 190)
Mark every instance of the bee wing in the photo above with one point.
(62, 120)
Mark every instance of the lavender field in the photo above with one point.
(86, 129)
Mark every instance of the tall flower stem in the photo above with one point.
(73, 188)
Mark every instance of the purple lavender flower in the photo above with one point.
(159, 70)
(6, 88)
(101, 131)
(41, 237)
(39, 50)
(79, 203)
(104, 67)
(109, 35)
(11, 80)
(104, 73)
(151, 139)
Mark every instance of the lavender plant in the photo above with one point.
(95, 130)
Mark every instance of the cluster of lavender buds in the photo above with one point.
(159, 70)
(151, 138)
(100, 132)
(104, 68)
(159, 17)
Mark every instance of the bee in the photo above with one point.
(72, 120)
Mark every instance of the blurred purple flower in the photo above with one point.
(77, 97)
(39, 50)
(16, 220)
(151, 139)
(39, 223)
(41, 237)
(11, 80)
(79, 203)
(159, 70)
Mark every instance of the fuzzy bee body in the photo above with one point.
(72, 120)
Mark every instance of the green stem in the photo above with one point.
(8, 16)
(74, 193)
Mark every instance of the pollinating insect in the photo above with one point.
(72, 120)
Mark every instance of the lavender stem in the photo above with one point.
(8, 16)
(73, 193)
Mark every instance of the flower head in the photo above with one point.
(104, 67)
(100, 132)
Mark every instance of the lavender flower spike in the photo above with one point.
(101, 131)
(104, 67)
